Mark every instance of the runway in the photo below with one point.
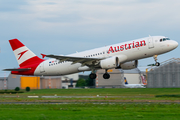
(29, 103)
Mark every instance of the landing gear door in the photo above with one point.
(42, 67)
(150, 43)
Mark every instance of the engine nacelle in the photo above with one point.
(109, 63)
(129, 65)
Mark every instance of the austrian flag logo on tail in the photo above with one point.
(21, 54)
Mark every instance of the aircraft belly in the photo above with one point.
(62, 69)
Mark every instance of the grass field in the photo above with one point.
(112, 104)
(90, 111)
(106, 91)
(105, 95)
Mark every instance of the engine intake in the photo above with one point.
(109, 63)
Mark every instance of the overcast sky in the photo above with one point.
(66, 26)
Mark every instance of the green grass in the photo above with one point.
(84, 109)
(89, 111)
(113, 94)
(11, 91)
(105, 91)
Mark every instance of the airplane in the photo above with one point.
(120, 56)
(126, 85)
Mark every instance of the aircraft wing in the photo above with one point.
(82, 60)
(17, 69)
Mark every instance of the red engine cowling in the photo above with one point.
(109, 63)
(129, 65)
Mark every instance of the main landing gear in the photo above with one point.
(92, 76)
(155, 58)
(105, 75)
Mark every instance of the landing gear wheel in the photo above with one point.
(92, 76)
(155, 58)
(157, 64)
(106, 76)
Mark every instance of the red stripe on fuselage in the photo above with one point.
(15, 44)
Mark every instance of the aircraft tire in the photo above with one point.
(106, 76)
(157, 64)
(92, 76)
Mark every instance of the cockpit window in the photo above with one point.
(164, 39)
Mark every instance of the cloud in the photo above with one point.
(43, 15)
(11, 5)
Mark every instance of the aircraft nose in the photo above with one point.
(172, 44)
(175, 44)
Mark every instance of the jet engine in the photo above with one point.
(129, 65)
(109, 63)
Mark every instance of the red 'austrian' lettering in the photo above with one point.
(127, 46)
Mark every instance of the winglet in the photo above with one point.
(43, 55)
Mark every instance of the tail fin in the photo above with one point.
(24, 56)
(125, 81)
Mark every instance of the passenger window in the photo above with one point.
(160, 40)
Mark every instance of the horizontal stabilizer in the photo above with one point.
(16, 69)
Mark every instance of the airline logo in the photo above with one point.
(127, 46)
(125, 81)
(22, 54)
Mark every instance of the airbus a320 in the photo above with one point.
(121, 56)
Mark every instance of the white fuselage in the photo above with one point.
(132, 50)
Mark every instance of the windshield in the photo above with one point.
(164, 39)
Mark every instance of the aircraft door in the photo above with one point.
(42, 67)
(150, 43)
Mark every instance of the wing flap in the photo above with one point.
(82, 60)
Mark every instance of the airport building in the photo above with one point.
(36, 82)
(167, 75)
(117, 77)
(3, 83)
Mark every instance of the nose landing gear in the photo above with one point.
(155, 58)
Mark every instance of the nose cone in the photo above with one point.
(175, 44)
(171, 45)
